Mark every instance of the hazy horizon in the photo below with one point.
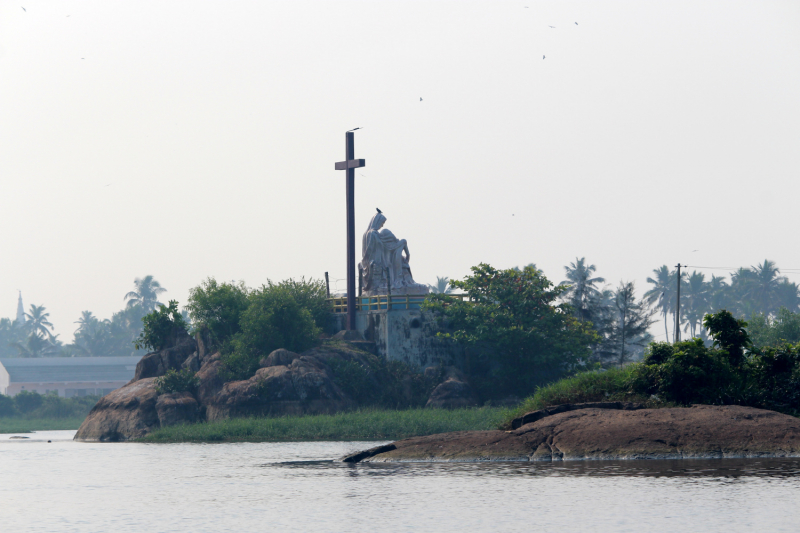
(194, 140)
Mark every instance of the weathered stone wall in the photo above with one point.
(407, 335)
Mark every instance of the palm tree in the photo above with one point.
(38, 346)
(37, 321)
(764, 286)
(87, 322)
(696, 301)
(145, 293)
(718, 294)
(582, 291)
(442, 286)
(662, 295)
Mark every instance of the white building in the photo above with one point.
(68, 376)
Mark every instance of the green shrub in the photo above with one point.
(596, 386)
(177, 381)
(310, 295)
(27, 401)
(273, 319)
(518, 332)
(161, 327)
(218, 308)
(7, 407)
(690, 373)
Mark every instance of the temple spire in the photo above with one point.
(20, 320)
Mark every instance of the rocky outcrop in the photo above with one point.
(700, 431)
(156, 364)
(453, 392)
(303, 386)
(177, 408)
(124, 414)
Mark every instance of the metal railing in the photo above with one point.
(393, 301)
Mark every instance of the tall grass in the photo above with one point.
(355, 425)
(611, 385)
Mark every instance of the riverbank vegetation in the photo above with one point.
(732, 371)
(30, 411)
(367, 424)
(26, 425)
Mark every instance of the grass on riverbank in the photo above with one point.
(355, 425)
(26, 425)
(609, 386)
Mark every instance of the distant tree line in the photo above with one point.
(94, 337)
(759, 294)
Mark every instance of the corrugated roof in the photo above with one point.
(75, 369)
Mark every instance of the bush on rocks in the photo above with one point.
(177, 381)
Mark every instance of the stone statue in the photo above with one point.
(383, 265)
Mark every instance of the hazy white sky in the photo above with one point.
(195, 139)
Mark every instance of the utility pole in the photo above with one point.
(678, 308)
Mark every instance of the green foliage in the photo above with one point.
(177, 381)
(521, 336)
(595, 386)
(775, 375)
(729, 334)
(32, 405)
(309, 295)
(161, 327)
(7, 407)
(16, 424)
(218, 307)
(690, 373)
(367, 424)
(765, 330)
(27, 401)
(381, 383)
(273, 319)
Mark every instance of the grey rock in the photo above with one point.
(124, 414)
(177, 408)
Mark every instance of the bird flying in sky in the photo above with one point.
(576, 23)
(420, 98)
(25, 10)
(542, 57)
(552, 27)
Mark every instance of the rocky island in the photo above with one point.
(611, 430)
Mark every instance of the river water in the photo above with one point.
(69, 486)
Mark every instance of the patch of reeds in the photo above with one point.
(367, 424)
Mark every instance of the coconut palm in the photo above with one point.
(145, 293)
(763, 286)
(696, 293)
(662, 295)
(442, 286)
(719, 296)
(582, 292)
(37, 321)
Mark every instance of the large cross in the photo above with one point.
(350, 164)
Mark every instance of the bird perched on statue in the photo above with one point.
(378, 210)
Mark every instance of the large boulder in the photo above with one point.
(700, 431)
(177, 408)
(209, 378)
(124, 414)
(304, 386)
(156, 364)
(453, 392)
